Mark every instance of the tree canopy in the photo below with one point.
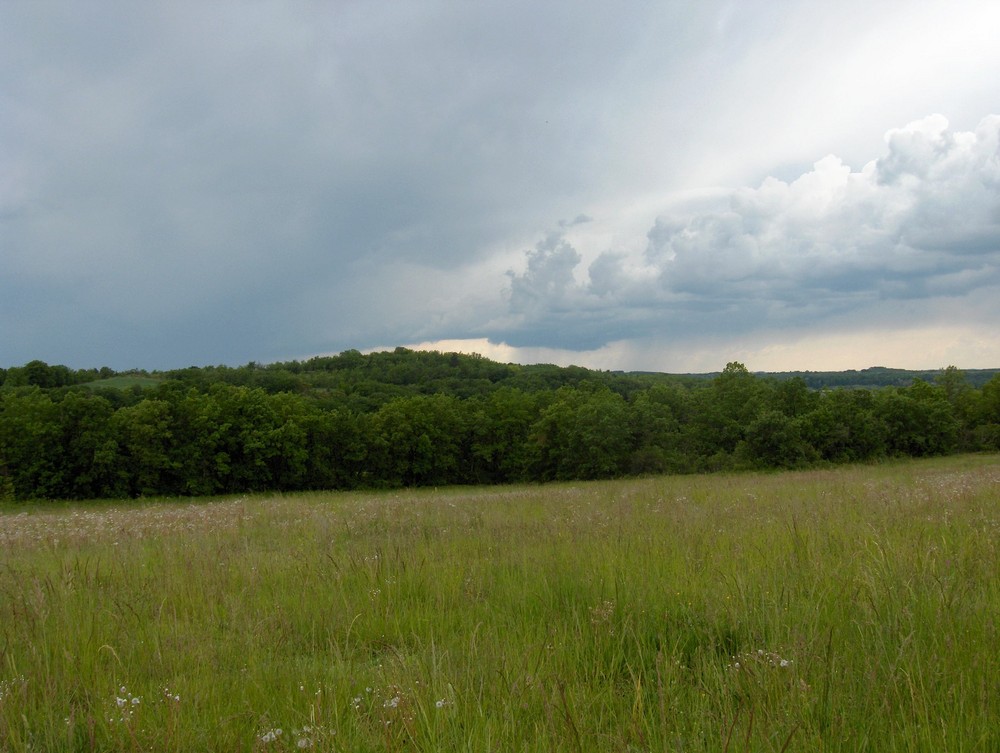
(407, 418)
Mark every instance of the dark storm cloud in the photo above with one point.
(192, 182)
(166, 165)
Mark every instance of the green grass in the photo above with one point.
(843, 610)
(125, 382)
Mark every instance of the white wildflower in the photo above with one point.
(270, 736)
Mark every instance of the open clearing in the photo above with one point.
(842, 610)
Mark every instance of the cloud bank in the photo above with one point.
(194, 183)
(912, 234)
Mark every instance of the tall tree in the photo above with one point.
(418, 441)
(145, 439)
(31, 444)
(584, 433)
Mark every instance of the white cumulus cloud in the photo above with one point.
(920, 223)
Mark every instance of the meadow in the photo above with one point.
(850, 609)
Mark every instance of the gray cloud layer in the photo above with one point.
(221, 182)
(188, 173)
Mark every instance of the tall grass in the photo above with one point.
(844, 610)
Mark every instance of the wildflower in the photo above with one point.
(125, 703)
(760, 658)
(270, 736)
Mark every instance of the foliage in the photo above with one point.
(406, 418)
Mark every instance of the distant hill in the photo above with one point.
(124, 382)
(870, 378)
(877, 376)
(370, 379)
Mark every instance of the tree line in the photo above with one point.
(404, 418)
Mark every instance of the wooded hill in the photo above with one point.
(416, 418)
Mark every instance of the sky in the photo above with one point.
(664, 186)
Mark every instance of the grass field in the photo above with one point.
(126, 381)
(843, 610)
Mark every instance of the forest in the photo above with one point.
(407, 418)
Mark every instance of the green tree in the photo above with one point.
(145, 442)
(31, 444)
(200, 461)
(843, 426)
(337, 449)
(984, 415)
(499, 429)
(722, 413)
(248, 438)
(583, 434)
(40, 374)
(655, 417)
(919, 420)
(793, 397)
(418, 441)
(774, 440)
(952, 380)
(966, 404)
(288, 442)
(90, 454)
